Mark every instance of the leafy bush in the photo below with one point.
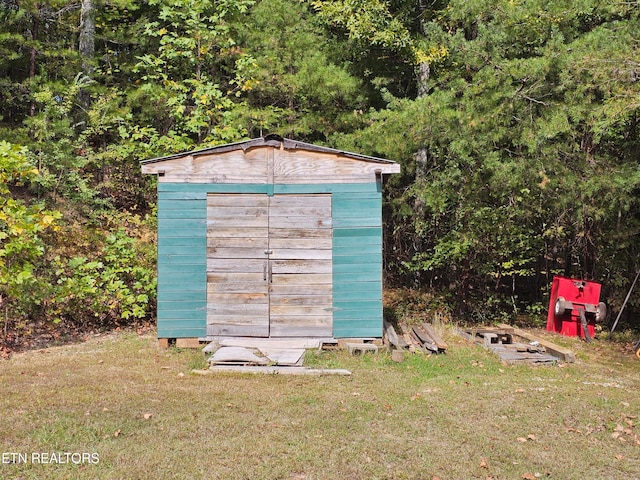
(54, 268)
(117, 284)
(21, 244)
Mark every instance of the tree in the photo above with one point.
(529, 134)
(35, 44)
(198, 72)
(301, 87)
(21, 244)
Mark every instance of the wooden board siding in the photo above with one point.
(235, 167)
(296, 167)
(267, 165)
(265, 276)
(237, 238)
(352, 276)
(300, 290)
(182, 253)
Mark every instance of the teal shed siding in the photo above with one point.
(182, 260)
(182, 255)
(357, 262)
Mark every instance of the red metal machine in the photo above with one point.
(575, 307)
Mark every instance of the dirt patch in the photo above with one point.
(40, 335)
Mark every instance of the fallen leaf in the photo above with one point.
(117, 433)
(147, 416)
(531, 436)
(619, 457)
(529, 476)
(522, 440)
(483, 463)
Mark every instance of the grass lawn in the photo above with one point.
(137, 412)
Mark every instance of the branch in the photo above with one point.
(534, 100)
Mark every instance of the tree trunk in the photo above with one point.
(32, 58)
(86, 42)
(421, 157)
(423, 71)
(86, 47)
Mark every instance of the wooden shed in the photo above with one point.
(269, 237)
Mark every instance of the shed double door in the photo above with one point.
(269, 265)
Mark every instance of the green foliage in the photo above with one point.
(530, 138)
(55, 146)
(21, 228)
(383, 42)
(193, 41)
(367, 22)
(516, 124)
(302, 86)
(41, 280)
(117, 284)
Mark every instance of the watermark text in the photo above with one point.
(53, 458)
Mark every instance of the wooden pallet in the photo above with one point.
(562, 353)
(500, 341)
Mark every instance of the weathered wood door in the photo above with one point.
(269, 265)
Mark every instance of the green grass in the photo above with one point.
(462, 415)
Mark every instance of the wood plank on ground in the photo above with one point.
(272, 370)
(562, 353)
(284, 356)
(508, 351)
(441, 344)
(424, 339)
(256, 342)
(393, 337)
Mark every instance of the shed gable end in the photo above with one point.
(267, 164)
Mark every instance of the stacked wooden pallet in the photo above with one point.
(500, 340)
(422, 337)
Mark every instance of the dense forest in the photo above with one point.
(516, 122)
